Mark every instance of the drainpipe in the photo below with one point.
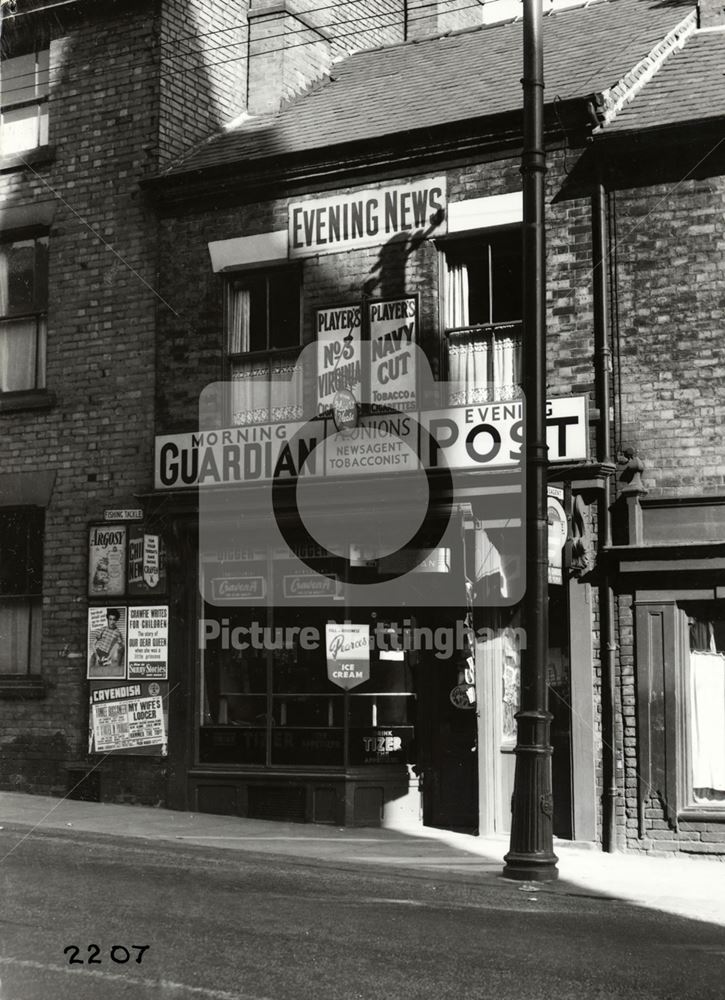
(607, 644)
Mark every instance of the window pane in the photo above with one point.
(284, 311)
(468, 280)
(18, 354)
(506, 267)
(19, 130)
(20, 628)
(17, 267)
(21, 552)
(257, 313)
(18, 78)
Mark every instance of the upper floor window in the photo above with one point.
(483, 309)
(21, 576)
(24, 88)
(263, 340)
(23, 310)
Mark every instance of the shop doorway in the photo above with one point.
(450, 782)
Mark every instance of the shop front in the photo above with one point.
(352, 641)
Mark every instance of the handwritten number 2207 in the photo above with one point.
(118, 953)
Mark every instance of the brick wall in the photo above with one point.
(203, 70)
(426, 18)
(98, 437)
(670, 258)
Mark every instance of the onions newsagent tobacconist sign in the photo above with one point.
(366, 218)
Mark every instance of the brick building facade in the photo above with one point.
(634, 205)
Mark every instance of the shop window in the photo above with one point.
(23, 311)
(266, 698)
(706, 709)
(21, 558)
(263, 340)
(24, 89)
(483, 308)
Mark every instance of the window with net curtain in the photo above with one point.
(21, 557)
(23, 308)
(24, 90)
(263, 340)
(706, 715)
(483, 310)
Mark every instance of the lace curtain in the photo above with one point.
(707, 700)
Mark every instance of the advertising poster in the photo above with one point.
(148, 643)
(338, 333)
(107, 643)
(107, 560)
(146, 562)
(393, 326)
(348, 654)
(130, 718)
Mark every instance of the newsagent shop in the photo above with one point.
(342, 508)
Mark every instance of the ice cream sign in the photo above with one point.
(348, 654)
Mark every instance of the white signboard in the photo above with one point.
(490, 435)
(124, 514)
(338, 353)
(236, 455)
(366, 218)
(148, 641)
(465, 437)
(393, 328)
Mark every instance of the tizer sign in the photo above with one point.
(348, 654)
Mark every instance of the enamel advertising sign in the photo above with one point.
(348, 654)
(393, 326)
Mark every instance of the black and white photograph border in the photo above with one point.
(362, 499)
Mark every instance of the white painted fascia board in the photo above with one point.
(248, 251)
(485, 213)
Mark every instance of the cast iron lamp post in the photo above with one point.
(531, 854)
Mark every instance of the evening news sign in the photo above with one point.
(366, 218)
(464, 438)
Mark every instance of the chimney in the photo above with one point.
(711, 13)
(286, 54)
(426, 18)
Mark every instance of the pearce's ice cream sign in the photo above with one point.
(366, 218)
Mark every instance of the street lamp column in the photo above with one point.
(531, 854)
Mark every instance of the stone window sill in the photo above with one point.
(29, 158)
(21, 687)
(30, 399)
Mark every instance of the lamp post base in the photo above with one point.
(531, 856)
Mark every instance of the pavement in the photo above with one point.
(687, 887)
